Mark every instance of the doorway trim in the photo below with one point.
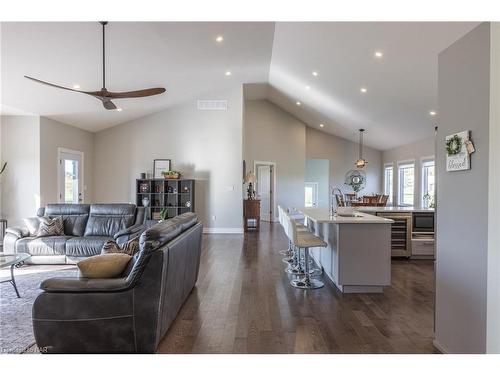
(61, 150)
(273, 189)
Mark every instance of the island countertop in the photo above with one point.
(322, 215)
(392, 209)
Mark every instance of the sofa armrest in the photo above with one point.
(130, 231)
(82, 285)
(19, 232)
(93, 322)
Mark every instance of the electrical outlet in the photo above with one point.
(214, 218)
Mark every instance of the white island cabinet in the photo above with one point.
(358, 256)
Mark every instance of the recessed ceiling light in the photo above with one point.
(119, 109)
(228, 73)
(432, 113)
(364, 90)
(321, 125)
(308, 87)
(76, 87)
(315, 73)
(298, 103)
(378, 54)
(219, 39)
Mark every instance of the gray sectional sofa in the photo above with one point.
(129, 314)
(86, 228)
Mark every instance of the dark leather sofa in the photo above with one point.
(130, 314)
(86, 228)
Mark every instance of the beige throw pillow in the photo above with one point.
(130, 247)
(103, 266)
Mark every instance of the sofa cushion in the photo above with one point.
(32, 223)
(165, 231)
(75, 217)
(51, 245)
(85, 246)
(107, 219)
(50, 227)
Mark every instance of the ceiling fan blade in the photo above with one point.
(108, 104)
(135, 94)
(59, 87)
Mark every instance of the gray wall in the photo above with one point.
(54, 135)
(413, 151)
(20, 182)
(274, 135)
(342, 154)
(493, 308)
(204, 145)
(318, 170)
(271, 134)
(462, 211)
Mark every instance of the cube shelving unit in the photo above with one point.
(175, 195)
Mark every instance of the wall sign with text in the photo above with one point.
(458, 150)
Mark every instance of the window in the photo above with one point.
(388, 181)
(428, 182)
(406, 184)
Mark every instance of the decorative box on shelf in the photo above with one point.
(174, 195)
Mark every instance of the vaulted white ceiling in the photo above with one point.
(186, 59)
(182, 57)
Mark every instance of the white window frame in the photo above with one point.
(391, 193)
(423, 161)
(403, 163)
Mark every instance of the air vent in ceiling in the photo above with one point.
(212, 105)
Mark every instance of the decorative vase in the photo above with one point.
(145, 201)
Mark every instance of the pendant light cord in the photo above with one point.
(103, 56)
(361, 143)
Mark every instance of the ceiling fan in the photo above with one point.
(103, 94)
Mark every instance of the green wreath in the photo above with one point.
(454, 145)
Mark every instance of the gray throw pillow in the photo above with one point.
(33, 224)
(51, 227)
(130, 247)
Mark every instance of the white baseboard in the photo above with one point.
(439, 347)
(223, 230)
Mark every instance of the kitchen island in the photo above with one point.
(358, 256)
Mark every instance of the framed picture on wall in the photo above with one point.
(159, 166)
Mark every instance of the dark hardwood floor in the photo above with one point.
(243, 303)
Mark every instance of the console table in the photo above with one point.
(251, 211)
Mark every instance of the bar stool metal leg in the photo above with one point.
(306, 282)
(295, 268)
(289, 254)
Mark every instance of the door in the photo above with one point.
(70, 176)
(311, 194)
(264, 191)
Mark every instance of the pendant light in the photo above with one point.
(360, 163)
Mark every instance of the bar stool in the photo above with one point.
(290, 252)
(294, 260)
(303, 240)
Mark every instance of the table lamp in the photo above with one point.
(250, 179)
